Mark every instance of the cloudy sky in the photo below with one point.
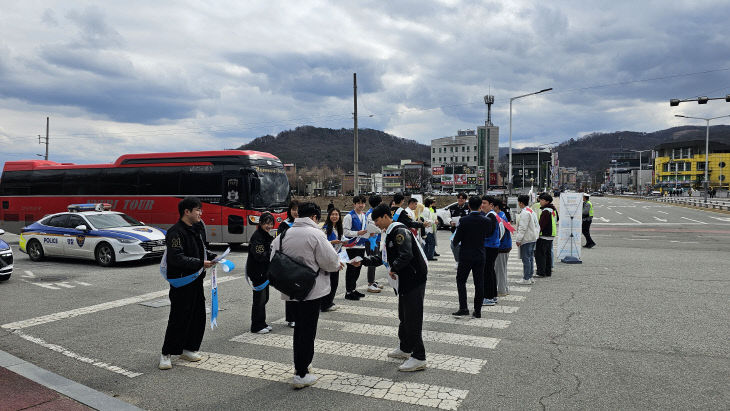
(124, 77)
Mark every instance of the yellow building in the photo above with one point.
(682, 164)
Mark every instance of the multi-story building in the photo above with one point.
(525, 170)
(364, 183)
(682, 164)
(469, 151)
(392, 178)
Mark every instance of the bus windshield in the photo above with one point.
(102, 221)
(274, 190)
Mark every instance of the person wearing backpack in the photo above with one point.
(307, 244)
(259, 254)
(186, 261)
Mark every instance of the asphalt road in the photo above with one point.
(642, 323)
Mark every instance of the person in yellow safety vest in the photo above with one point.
(587, 220)
(548, 231)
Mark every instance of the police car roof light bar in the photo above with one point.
(89, 207)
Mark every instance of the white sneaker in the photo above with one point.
(264, 330)
(301, 382)
(524, 282)
(192, 356)
(412, 364)
(291, 324)
(165, 362)
(397, 353)
(333, 307)
(378, 285)
(268, 327)
(372, 288)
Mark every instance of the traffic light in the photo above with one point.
(702, 100)
(675, 102)
(727, 98)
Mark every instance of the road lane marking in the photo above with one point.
(454, 293)
(634, 220)
(664, 220)
(429, 317)
(64, 284)
(367, 386)
(57, 348)
(618, 212)
(390, 331)
(695, 221)
(663, 212)
(443, 282)
(82, 283)
(721, 218)
(369, 352)
(393, 299)
(45, 319)
(44, 285)
(28, 274)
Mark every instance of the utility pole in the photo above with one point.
(355, 190)
(39, 138)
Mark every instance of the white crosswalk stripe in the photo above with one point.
(393, 299)
(367, 386)
(429, 317)
(368, 352)
(454, 293)
(390, 331)
(444, 282)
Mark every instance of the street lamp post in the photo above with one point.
(707, 144)
(638, 186)
(538, 163)
(510, 131)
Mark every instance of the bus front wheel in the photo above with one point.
(35, 250)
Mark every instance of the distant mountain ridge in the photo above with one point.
(592, 152)
(309, 146)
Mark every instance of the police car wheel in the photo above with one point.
(440, 223)
(104, 255)
(35, 250)
(4, 277)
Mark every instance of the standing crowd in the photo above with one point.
(401, 237)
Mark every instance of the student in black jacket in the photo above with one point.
(406, 262)
(259, 254)
(469, 237)
(291, 214)
(187, 260)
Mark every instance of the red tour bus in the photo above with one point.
(235, 187)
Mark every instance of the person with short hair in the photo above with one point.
(587, 220)
(354, 225)
(374, 201)
(429, 214)
(548, 231)
(528, 230)
(292, 213)
(458, 210)
(257, 264)
(469, 236)
(505, 246)
(406, 262)
(307, 244)
(491, 250)
(333, 230)
(187, 260)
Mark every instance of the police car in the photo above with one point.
(92, 232)
(6, 259)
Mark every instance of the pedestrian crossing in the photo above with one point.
(367, 330)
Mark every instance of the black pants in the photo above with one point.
(490, 276)
(306, 316)
(258, 309)
(289, 311)
(371, 269)
(476, 266)
(186, 324)
(352, 273)
(328, 300)
(410, 314)
(587, 233)
(543, 260)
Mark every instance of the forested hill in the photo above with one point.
(593, 151)
(308, 146)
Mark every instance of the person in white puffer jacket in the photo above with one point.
(528, 231)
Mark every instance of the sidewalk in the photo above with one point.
(26, 386)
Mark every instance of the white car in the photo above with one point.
(89, 231)
(6, 259)
(444, 216)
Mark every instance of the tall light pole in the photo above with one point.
(638, 186)
(538, 162)
(707, 144)
(510, 132)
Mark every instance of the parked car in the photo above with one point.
(656, 193)
(443, 216)
(6, 259)
(92, 232)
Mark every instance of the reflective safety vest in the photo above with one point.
(590, 212)
(553, 221)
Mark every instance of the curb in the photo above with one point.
(62, 385)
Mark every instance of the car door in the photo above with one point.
(75, 243)
(54, 236)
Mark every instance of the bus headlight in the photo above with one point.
(254, 219)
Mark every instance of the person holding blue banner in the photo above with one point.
(354, 225)
(187, 260)
(259, 254)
